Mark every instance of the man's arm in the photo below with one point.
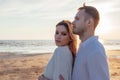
(98, 67)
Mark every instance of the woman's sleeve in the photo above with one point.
(63, 65)
(50, 68)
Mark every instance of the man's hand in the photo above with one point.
(42, 77)
(61, 77)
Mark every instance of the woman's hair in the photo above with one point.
(73, 38)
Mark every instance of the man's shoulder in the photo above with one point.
(96, 48)
(96, 45)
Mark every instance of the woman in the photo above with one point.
(62, 59)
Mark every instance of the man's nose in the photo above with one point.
(73, 22)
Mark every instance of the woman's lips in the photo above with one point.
(58, 41)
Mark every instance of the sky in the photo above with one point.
(36, 19)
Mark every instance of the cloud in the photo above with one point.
(51, 8)
(32, 7)
(105, 6)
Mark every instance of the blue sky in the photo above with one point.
(36, 19)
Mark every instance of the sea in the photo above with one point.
(43, 46)
(27, 46)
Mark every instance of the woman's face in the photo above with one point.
(61, 36)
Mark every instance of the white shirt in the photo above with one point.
(60, 63)
(91, 62)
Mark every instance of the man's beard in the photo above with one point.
(81, 32)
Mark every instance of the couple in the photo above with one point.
(90, 62)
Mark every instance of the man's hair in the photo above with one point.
(91, 11)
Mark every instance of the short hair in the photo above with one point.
(91, 11)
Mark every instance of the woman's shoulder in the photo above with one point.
(62, 49)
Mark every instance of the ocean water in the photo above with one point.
(27, 46)
(42, 46)
(111, 44)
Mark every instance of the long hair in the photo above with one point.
(73, 38)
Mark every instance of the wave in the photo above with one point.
(43, 46)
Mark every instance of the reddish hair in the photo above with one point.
(73, 43)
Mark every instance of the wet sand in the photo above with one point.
(30, 66)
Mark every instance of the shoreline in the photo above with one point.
(5, 55)
(15, 66)
(8, 55)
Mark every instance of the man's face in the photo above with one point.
(79, 23)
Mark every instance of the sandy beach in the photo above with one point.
(30, 66)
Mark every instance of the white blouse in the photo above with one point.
(60, 63)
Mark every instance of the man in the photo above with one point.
(90, 62)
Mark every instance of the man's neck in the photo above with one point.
(85, 36)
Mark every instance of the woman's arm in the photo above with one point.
(63, 64)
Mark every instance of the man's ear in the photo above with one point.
(90, 21)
